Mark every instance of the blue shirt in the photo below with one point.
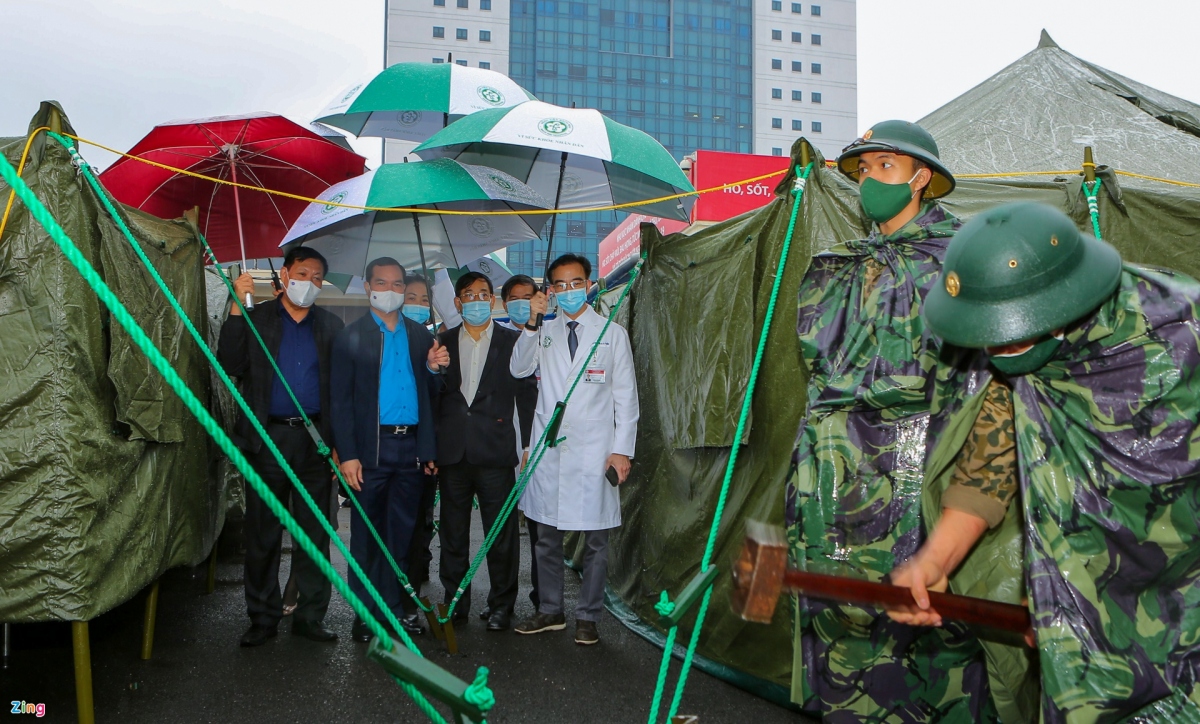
(397, 384)
(297, 361)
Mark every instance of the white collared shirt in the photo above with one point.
(472, 355)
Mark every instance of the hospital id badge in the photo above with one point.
(595, 376)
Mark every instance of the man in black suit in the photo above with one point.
(300, 337)
(477, 449)
(383, 379)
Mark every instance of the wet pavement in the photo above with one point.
(200, 674)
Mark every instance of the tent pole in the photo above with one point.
(1089, 165)
(562, 170)
(421, 249)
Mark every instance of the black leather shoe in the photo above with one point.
(359, 631)
(412, 624)
(313, 631)
(486, 613)
(499, 620)
(258, 634)
(461, 614)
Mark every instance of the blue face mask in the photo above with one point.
(476, 313)
(518, 311)
(416, 312)
(572, 300)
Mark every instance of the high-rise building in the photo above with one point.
(746, 76)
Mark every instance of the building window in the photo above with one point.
(777, 5)
(776, 151)
(816, 126)
(463, 3)
(604, 228)
(776, 64)
(461, 62)
(777, 93)
(776, 35)
(439, 3)
(797, 125)
(575, 228)
(816, 97)
(776, 123)
(797, 37)
(814, 10)
(439, 31)
(460, 34)
(796, 8)
(797, 95)
(797, 66)
(485, 36)
(485, 65)
(485, 4)
(439, 60)
(816, 39)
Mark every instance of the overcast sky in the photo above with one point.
(121, 66)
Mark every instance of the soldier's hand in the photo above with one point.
(537, 305)
(242, 286)
(352, 472)
(919, 575)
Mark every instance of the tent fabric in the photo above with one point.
(697, 308)
(105, 480)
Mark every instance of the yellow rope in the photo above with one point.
(1011, 174)
(1160, 180)
(20, 169)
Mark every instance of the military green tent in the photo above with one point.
(695, 314)
(106, 480)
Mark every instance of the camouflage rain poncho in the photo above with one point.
(1107, 532)
(853, 503)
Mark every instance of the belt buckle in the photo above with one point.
(399, 429)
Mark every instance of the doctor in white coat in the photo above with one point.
(569, 489)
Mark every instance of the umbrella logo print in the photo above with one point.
(350, 93)
(480, 227)
(485, 267)
(333, 202)
(555, 127)
(490, 95)
(501, 182)
(408, 118)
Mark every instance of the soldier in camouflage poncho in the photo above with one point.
(1103, 364)
(853, 501)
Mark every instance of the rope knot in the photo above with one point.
(478, 694)
(664, 607)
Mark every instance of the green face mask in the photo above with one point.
(881, 201)
(1028, 361)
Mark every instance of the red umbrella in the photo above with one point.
(259, 149)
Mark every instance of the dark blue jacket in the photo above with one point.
(354, 390)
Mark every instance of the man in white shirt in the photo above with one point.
(569, 490)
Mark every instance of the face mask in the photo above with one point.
(881, 202)
(387, 302)
(572, 300)
(1028, 361)
(476, 313)
(416, 312)
(518, 311)
(302, 293)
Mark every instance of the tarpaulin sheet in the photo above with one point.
(106, 480)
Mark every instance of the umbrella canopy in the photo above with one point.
(412, 101)
(349, 237)
(261, 149)
(577, 156)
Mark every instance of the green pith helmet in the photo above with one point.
(905, 138)
(1015, 273)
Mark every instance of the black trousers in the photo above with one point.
(420, 554)
(460, 483)
(391, 498)
(264, 532)
(532, 527)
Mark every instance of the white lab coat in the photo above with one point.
(568, 489)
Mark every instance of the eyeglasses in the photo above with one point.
(564, 286)
(473, 297)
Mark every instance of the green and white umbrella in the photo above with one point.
(412, 101)
(575, 155)
(349, 237)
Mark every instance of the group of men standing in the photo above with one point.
(1005, 409)
(409, 415)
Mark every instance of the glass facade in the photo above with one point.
(680, 70)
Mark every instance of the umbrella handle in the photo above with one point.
(249, 301)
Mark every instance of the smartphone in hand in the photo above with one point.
(614, 479)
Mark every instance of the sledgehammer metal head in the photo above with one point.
(758, 572)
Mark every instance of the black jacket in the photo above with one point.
(357, 357)
(241, 356)
(482, 434)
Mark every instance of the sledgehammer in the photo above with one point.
(761, 573)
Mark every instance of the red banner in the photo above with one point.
(625, 241)
(716, 168)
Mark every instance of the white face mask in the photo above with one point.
(387, 302)
(302, 293)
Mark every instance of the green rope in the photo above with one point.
(478, 694)
(1093, 204)
(193, 404)
(706, 561)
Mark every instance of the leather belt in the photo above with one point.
(397, 429)
(292, 421)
